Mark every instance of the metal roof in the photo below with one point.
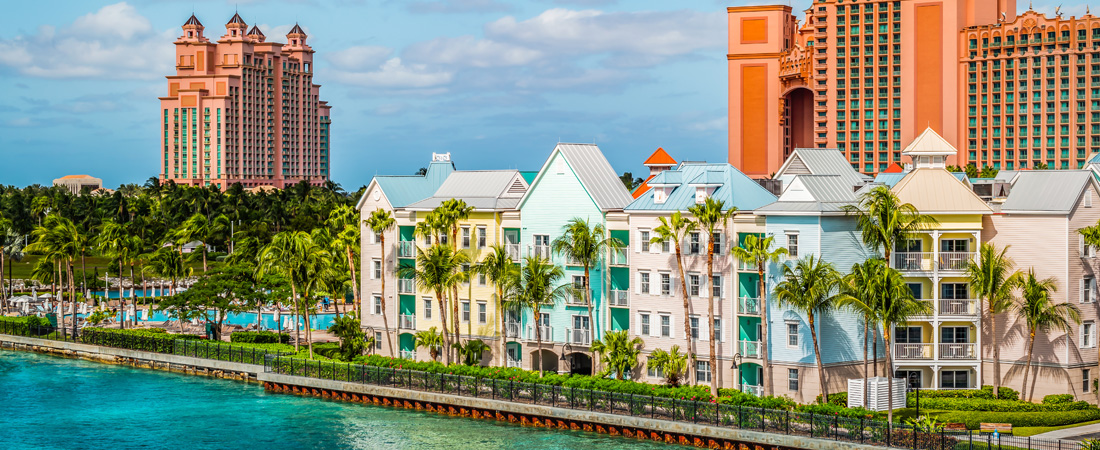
(828, 188)
(481, 189)
(938, 191)
(929, 143)
(735, 190)
(708, 178)
(826, 161)
(1046, 191)
(797, 207)
(667, 178)
(597, 176)
(403, 190)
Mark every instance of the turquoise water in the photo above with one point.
(58, 403)
(316, 321)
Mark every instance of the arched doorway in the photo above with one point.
(547, 360)
(579, 363)
(799, 120)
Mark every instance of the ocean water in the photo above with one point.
(59, 403)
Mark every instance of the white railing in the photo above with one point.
(541, 250)
(546, 330)
(511, 330)
(407, 354)
(619, 257)
(571, 261)
(955, 261)
(753, 390)
(406, 249)
(958, 351)
(746, 266)
(406, 286)
(513, 251)
(912, 351)
(618, 297)
(576, 297)
(749, 349)
(579, 336)
(749, 306)
(406, 322)
(513, 363)
(912, 261)
(958, 307)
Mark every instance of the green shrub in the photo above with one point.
(1055, 399)
(152, 340)
(836, 398)
(259, 337)
(983, 404)
(974, 419)
(24, 325)
(986, 392)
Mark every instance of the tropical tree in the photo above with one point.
(674, 229)
(471, 352)
(1091, 235)
(810, 288)
(449, 213)
(379, 222)
(343, 223)
(498, 267)
(884, 221)
(167, 263)
(583, 244)
(1041, 315)
(533, 289)
(431, 340)
(672, 363)
(712, 216)
(116, 242)
(298, 256)
(436, 271)
(896, 306)
(199, 227)
(619, 353)
(760, 252)
(351, 335)
(5, 228)
(992, 281)
(860, 293)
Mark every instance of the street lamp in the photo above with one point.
(736, 364)
(914, 383)
(567, 350)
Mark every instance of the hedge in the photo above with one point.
(982, 404)
(986, 392)
(974, 419)
(151, 339)
(25, 325)
(259, 337)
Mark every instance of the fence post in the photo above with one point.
(836, 431)
(861, 429)
(694, 411)
(652, 406)
(787, 426)
(811, 424)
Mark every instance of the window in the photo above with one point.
(465, 237)
(716, 286)
(578, 286)
(693, 243)
(481, 237)
(643, 282)
(643, 240)
(955, 335)
(378, 340)
(652, 371)
(1086, 385)
(954, 291)
(427, 308)
(792, 380)
(376, 269)
(542, 246)
(718, 330)
(481, 279)
(1088, 289)
(693, 284)
(716, 243)
(907, 335)
(666, 245)
(465, 310)
(643, 321)
(954, 245)
(666, 284)
(702, 371)
(792, 245)
(1088, 334)
(1087, 251)
(916, 289)
(912, 377)
(482, 313)
(792, 335)
(694, 321)
(954, 379)
(666, 325)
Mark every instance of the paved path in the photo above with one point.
(1073, 433)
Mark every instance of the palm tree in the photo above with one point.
(435, 271)
(167, 262)
(379, 222)
(298, 256)
(583, 244)
(1091, 235)
(1041, 314)
(498, 267)
(431, 340)
(344, 224)
(672, 363)
(58, 239)
(991, 281)
(116, 242)
(896, 306)
(198, 227)
(759, 251)
(534, 288)
(619, 352)
(450, 213)
(810, 288)
(884, 221)
(5, 229)
(712, 217)
(860, 293)
(674, 229)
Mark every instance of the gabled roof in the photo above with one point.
(667, 178)
(659, 158)
(641, 188)
(236, 19)
(1054, 191)
(821, 161)
(937, 191)
(193, 21)
(708, 178)
(813, 194)
(929, 143)
(734, 188)
(296, 30)
(596, 175)
(403, 190)
(481, 189)
(894, 168)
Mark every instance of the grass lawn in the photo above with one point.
(1031, 431)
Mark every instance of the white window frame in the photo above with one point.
(1085, 250)
(465, 311)
(717, 241)
(376, 269)
(694, 284)
(695, 243)
(482, 313)
(666, 318)
(702, 371)
(1088, 334)
(666, 246)
(792, 338)
(666, 280)
(465, 236)
(651, 371)
(645, 282)
(643, 241)
(717, 288)
(1086, 380)
(792, 254)
(482, 237)
(1088, 290)
(377, 301)
(482, 280)
(696, 327)
(645, 325)
(792, 380)
(716, 328)
(378, 340)
(427, 310)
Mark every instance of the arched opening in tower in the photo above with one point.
(799, 127)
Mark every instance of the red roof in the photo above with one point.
(894, 168)
(642, 188)
(659, 158)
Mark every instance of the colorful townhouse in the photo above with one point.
(576, 181)
(807, 219)
(1038, 224)
(493, 195)
(656, 299)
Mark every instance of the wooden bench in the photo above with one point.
(1003, 428)
(954, 426)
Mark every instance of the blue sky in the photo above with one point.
(497, 83)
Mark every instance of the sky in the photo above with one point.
(497, 83)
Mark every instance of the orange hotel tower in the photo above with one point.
(244, 110)
(866, 77)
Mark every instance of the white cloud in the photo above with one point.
(469, 51)
(394, 74)
(115, 41)
(458, 6)
(359, 57)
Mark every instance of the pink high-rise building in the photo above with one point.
(865, 77)
(243, 110)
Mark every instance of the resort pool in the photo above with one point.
(316, 322)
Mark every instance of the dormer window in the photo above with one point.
(659, 195)
(700, 195)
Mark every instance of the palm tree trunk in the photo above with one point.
(768, 390)
(687, 314)
(503, 328)
(355, 282)
(996, 356)
(454, 319)
(866, 375)
(121, 303)
(874, 349)
(439, 295)
(359, 301)
(710, 317)
(817, 355)
(591, 321)
(72, 295)
(1027, 367)
(309, 328)
(294, 304)
(204, 257)
(538, 342)
(889, 379)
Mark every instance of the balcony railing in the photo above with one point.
(546, 330)
(579, 336)
(958, 351)
(752, 390)
(406, 249)
(406, 286)
(541, 250)
(618, 298)
(513, 251)
(748, 306)
(749, 349)
(619, 258)
(511, 330)
(912, 261)
(514, 363)
(408, 354)
(955, 261)
(958, 307)
(912, 351)
(406, 322)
